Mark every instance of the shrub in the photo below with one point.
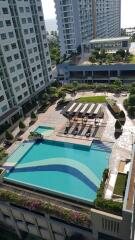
(117, 124)
(62, 94)
(107, 205)
(22, 125)
(33, 115)
(9, 136)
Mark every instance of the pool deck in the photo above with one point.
(121, 150)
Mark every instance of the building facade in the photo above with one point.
(81, 21)
(25, 65)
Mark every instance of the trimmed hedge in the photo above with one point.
(107, 205)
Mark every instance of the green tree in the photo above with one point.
(33, 116)
(22, 125)
(45, 98)
(131, 100)
(62, 95)
(9, 136)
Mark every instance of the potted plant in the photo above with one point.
(118, 127)
(33, 117)
(22, 126)
(9, 137)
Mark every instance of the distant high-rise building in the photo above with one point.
(79, 21)
(25, 65)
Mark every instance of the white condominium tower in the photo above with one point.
(79, 21)
(25, 66)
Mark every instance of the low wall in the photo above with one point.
(51, 228)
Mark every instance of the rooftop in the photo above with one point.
(102, 40)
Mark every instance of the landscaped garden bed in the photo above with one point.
(92, 99)
(120, 184)
(107, 205)
(66, 214)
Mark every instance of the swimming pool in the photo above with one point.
(71, 170)
(44, 130)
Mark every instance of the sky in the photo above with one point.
(128, 11)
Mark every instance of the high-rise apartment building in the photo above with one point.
(25, 65)
(79, 21)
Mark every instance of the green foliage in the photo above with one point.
(22, 125)
(45, 98)
(54, 51)
(9, 136)
(120, 184)
(3, 154)
(94, 99)
(33, 115)
(68, 215)
(101, 56)
(107, 205)
(62, 95)
(122, 115)
(131, 100)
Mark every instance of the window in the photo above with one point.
(39, 9)
(3, 36)
(32, 60)
(21, 76)
(29, 20)
(33, 40)
(42, 28)
(37, 58)
(9, 59)
(13, 45)
(33, 69)
(16, 56)
(14, 79)
(35, 77)
(35, 49)
(1, 98)
(17, 89)
(20, 98)
(12, 69)
(37, 85)
(1, 24)
(27, 9)
(31, 30)
(40, 74)
(28, 41)
(38, 66)
(23, 85)
(41, 83)
(6, 48)
(26, 31)
(8, 23)
(5, 10)
(41, 18)
(11, 34)
(19, 66)
(30, 51)
(25, 94)
(23, 20)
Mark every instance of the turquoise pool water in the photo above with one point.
(74, 171)
(44, 130)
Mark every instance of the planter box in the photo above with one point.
(118, 130)
(22, 130)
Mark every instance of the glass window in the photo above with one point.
(20, 98)
(5, 10)
(1, 24)
(16, 56)
(26, 31)
(11, 34)
(6, 48)
(28, 41)
(14, 79)
(23, 85)
(27, 9)
(21, 76)
(3, 36)
(23, 20)
(12, 69)
(19, 66)
(31, 30)
(8, 23)
(9, 59)
(17, 89)
(29, 20)
(13, 45)
(25, 94)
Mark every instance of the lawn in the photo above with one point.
(120, 184)
(132, 59)
(95, 99)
